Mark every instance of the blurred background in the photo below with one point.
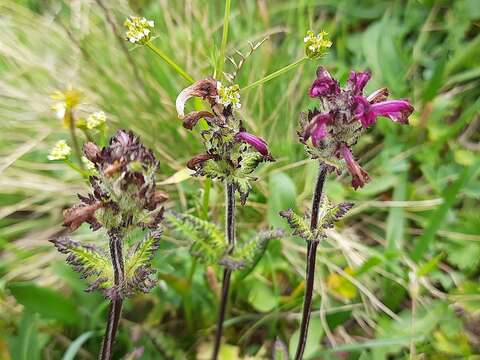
(399, 278)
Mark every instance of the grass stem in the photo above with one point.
(169, 61)
(223, 46)
(274, 74)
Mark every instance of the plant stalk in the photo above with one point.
(311, 260)
(223, 45)
(230, 232)
(169, 61)
(275, 74)
(115, 308)
(73, 136)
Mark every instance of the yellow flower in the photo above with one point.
(60, 151)
(139, 30)
(229, 95)
(96, 120)
(65, 102)
(316, 45)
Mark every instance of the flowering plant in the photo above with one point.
(328, 134)
(123, 201)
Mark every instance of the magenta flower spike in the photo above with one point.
(345, 113)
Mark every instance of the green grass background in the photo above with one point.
(399, 278)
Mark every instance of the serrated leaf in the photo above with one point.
(298, 224)
(87, 260)
(207, 241)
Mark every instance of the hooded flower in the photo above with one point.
(225, 156)
(259, 144)
(344, 114)
(324, 84)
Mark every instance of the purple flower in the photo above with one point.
(317, 128)
(357, 81)
(359, 176)
(324, 84)
(258, 143)
(396, 110)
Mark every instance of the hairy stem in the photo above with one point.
(230, 232)
(275, 74)
(115, 309)
(169, 61)
(311, 259)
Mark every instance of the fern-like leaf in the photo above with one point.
(92, 263)
(250, 252)
(138, 269)
(207, 241)
(331, 213)
(298, 224)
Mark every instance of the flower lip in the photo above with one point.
(258, 143)
(396, 110)
(324, 84)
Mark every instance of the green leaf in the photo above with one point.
(298, 224)
(430, 265)
(315, 334)
(46, 302)
(142, 255)
(76, 345)
(262, 298)
(282, 195)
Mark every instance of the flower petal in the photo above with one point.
(362, 111)
(255, 141)
(358, 80)
(191, 119)
(378, 96)
(317, 128)
(324, 84)
(202, 88)
(194, 162)
(397, 110)
(359, 176)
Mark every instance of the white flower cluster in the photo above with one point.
(60, 151)
(316, 45)
(139, 29)
(229, 95)
(96, 120)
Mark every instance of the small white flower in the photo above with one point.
(59, 109)
(316, 45)
(60, 151)
(138, 29)
(229, 95)
(96, 119)
(88, 164)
